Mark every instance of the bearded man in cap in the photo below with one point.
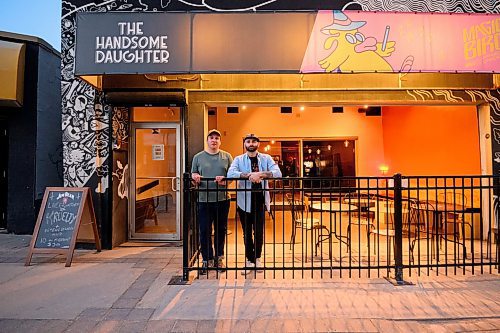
(254, 168)
(213, 206)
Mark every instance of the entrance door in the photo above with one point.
(4, 147)
(155, 182)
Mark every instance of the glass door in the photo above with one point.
(155, 182)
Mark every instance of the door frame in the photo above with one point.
(132, 235)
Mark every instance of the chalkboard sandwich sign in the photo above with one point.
(59, 221)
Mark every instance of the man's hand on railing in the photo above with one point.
(196, 177)
(220, 180)
(255, 177)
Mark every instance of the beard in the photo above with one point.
(251, 148)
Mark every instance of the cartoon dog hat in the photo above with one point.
(342, 22)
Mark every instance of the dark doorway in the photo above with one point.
(4, 149)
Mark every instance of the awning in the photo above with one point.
(12, 56)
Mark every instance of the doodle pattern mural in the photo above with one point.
(86, 119)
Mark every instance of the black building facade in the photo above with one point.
(96, 113)
(30, 122)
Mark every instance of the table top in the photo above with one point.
(442, 207)
(364, 202)
(333, 206)
(389, 210)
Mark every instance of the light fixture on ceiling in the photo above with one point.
(374, 111)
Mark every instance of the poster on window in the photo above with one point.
(158, 152)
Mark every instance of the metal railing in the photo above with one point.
(357, 226)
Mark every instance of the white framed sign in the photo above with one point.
(158, 152)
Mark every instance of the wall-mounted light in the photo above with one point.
(383, 169)
(329, 147)
(346, 143)
(302, 108)
(318, 151)
(309, 150)
(273, 142)
(243, 107)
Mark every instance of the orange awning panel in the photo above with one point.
(12, 57)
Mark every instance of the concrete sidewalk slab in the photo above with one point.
(126, 290)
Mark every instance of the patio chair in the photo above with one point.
(388, 228)
(422, 214)
(452, 220)
(302, 220)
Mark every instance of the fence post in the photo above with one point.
(186, 220)
(398, 226)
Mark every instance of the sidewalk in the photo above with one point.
(126, 290)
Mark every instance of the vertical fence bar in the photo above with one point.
(186, 219)
(398, 226)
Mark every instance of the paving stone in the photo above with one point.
(116, 314)
(82, 326)
(241, 325)
(125, 303)
(134, 293)
(263, 325)
(140, 314)
(207, 326)
(185, 326)
(34, 325)
(159, 326)
(133, 326)
(95, 314)
(109, 326)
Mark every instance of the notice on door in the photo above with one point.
(158, 152)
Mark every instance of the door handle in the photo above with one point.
(175, 181)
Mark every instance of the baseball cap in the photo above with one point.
(251, 136)
(213, 131)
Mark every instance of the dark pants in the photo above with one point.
(253, 226)
(212, 213)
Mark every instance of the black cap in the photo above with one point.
(251, 136)
(213, 131)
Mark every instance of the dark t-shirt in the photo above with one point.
(257, 196)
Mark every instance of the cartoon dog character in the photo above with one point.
(351, 50)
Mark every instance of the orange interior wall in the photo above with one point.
(313, 122)
(431, 140)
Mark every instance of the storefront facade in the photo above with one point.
(30, 122)
(133, 117)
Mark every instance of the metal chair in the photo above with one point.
(388, 231)
(421, 216)
(453, 222)
(302, 220)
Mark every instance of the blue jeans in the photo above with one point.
(212, 213)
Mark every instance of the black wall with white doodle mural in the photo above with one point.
(88, 140)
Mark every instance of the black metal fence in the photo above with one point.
(359, 226)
